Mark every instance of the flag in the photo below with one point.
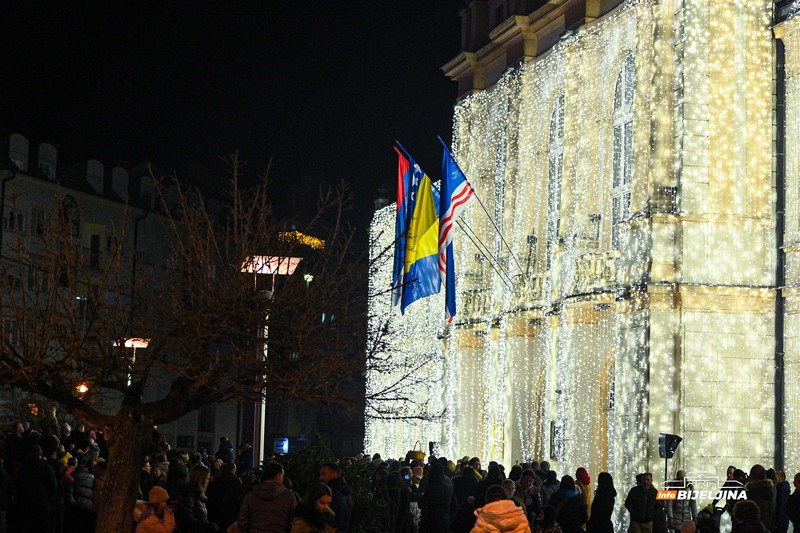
(454, 196)
(416, 232)
(403, 181)
(421, 276)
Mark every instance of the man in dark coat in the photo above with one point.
(640, 502)
(225, 495)
(462, 485)
(268, 507)
(478, 491)
(342, 502)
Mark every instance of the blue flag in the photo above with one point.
(455, 195)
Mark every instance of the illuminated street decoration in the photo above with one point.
(642, 215)
(301, 238)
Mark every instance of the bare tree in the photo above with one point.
(63, 310)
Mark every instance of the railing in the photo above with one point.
(595, 270)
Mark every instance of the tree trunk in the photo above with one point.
(129, 440)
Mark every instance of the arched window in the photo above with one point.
(622, 171)
(555, 171)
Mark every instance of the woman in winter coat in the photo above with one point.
(500, 514)
(438, 502)
(157, 517)
(602, 506)
(82, 487)
(192, 512)
(762, 491)
(314, 514)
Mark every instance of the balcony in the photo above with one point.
(595, 271)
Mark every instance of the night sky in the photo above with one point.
(322, 87)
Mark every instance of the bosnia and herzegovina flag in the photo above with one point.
(417, 219)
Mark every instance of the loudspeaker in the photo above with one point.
(433, 448)
(667, 444)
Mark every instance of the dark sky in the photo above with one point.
(323, 87)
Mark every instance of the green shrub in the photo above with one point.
(302, 467)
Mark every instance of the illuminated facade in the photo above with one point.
(630, 164)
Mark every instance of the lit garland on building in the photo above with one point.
(789, 32)
(639, 298)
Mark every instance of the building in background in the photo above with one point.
(108, 204)
(630, 154)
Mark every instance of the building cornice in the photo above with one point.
(519, 38)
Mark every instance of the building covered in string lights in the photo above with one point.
(631, 155)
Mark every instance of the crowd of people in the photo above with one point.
(52, 479)
(464, 498)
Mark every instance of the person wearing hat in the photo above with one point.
(157, 518)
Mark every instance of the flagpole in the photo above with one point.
(405, 153)
(503, 276)
(477, 197)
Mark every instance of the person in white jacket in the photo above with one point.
(680, 511)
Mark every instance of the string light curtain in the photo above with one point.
(630, 169)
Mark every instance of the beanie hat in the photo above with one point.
(158, 495)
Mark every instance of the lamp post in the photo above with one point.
(274, 266)
(134, 342)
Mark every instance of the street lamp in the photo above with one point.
(274, 266)
(134, 342)
(308, 278)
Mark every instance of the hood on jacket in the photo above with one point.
(502, 515)
(761, 489)
(268, 491)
